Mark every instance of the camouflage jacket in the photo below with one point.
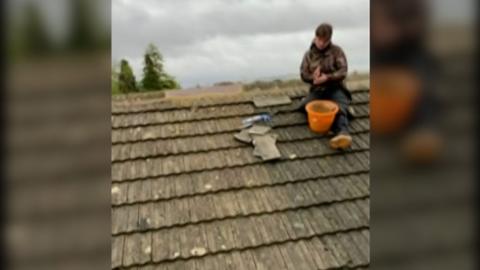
(331, 60)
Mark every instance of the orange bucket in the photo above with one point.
(321, 114)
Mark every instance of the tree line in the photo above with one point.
(154, 76)
(28, 34)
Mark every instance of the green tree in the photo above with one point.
(82, 28)
(154, 76)
(36, 40)
(126, 79)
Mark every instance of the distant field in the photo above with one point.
(265, 85)
(354, 80)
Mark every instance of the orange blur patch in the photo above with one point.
(393, 96)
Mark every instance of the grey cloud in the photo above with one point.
(190, 30)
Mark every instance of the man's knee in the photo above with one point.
(303, 103)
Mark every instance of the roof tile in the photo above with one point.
(187, 195)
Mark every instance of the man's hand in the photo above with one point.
(322, 78)
(316, 73)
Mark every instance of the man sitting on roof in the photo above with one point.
(324, 67)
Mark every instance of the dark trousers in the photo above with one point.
(337, 94)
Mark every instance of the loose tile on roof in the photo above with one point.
(265, 147)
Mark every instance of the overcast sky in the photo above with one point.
(208, 41)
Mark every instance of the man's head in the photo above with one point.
(323, 35)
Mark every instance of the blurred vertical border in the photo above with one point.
(57, 133)
(423, 134)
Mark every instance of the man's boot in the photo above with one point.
(342, 140)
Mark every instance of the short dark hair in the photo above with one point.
(324, 31)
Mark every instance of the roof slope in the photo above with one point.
(187, 195)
